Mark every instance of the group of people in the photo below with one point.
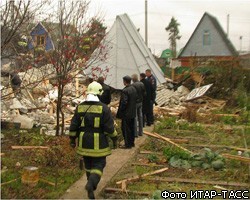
(136, 105)
(93, 121)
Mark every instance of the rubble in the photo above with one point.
(170, 98)
(26, 122)
(35, 105)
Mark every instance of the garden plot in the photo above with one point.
(161, 165)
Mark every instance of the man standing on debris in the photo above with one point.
(91, 124)
(105, 97)
(146, 99)
(153, 83)
(140, 89)
(127, 111)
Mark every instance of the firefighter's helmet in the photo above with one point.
(94, 88)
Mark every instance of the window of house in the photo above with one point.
(40, 40)
(206, 38)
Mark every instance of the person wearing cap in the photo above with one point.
(141, 93)
(105, 97)
(91, 124)
(127, 112)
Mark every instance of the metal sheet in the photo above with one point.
(198, 92)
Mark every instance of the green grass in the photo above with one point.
(59, 157)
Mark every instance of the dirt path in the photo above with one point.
(115, 162)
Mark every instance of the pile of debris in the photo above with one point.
(175, 103)
(171, 98)
(35, 104)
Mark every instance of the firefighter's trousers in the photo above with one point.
(94, 168)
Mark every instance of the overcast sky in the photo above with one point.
(187, 12)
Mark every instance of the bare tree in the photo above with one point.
(77, 39)
(15, 18)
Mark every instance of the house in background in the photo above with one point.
(40, 38)
(208, 41)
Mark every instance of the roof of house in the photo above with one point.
(220, 31)
(127, 55)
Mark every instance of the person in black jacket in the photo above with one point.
(146, 99)
(105, 97)
(152, 81)
(127, 111)
(141, 93)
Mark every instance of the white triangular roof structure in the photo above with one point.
(127, 54)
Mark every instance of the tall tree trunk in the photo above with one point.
(58, 108)
(61, 111)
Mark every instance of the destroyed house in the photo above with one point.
(208, 41)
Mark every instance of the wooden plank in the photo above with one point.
(156, 135)
(2, 154)
(116, 190)
(217, 146)
(30, 95)
(5, 183)
(227, 115)
(143, 175)
(150, 152)
(147, 165)
(48, 182)
(235, 157)
(29, 147)
(197, 181)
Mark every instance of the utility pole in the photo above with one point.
(146, 22)
(228, 25)
(12, 10)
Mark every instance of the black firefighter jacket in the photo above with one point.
(91, 124)
(127, 105)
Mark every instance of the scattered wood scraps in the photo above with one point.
(147, 164)
(8, 182)
(235, 157)
(158, 136)
(197, 181)
(217, 146)
(150, 152)
(48, 182)
(141, 176)
(116, 190)
(29, 147)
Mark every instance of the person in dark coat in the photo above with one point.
(146, 99)
(127, 112)
(105, 97)
(140, 89)
(153, 84)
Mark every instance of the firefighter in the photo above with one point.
(91, 124)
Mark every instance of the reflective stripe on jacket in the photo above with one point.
(91, 124)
